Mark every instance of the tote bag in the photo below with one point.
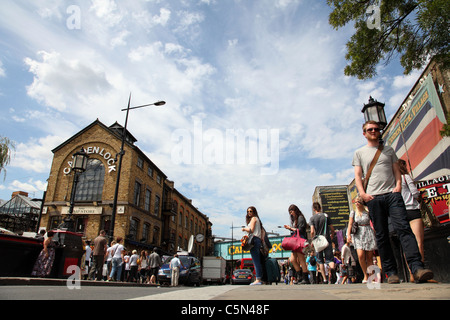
(320, 242)
(294, 243)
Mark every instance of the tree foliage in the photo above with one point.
(414, 29)
(6, 148)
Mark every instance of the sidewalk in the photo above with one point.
(405, 291)
(280, 292)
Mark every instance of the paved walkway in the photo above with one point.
(407, 291)
(404, 291)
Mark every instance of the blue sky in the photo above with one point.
(271, 69)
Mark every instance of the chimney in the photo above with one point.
(22, 193)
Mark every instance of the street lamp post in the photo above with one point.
(232, 246)
(374, 110)
(121, 153)
(80, 160)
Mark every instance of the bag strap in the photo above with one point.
(372, 165)
(325, 229)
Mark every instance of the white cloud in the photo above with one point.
(107, 11)
(2, 70)
(59, 81)
(30, 186)
(35, 155)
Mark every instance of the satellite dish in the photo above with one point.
(191, 244)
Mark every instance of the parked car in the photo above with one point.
(190, 273)
(242, 276)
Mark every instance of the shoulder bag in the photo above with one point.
(320, 242)
(294, 243)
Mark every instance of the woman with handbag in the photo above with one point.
(254, 231)
(298, 223)
(361, 234)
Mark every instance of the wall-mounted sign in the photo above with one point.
(335, 204)
(436, 195)
(110, 160)
(83, 210)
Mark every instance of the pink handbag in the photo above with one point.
(295, 243)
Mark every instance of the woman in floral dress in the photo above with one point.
(364, 239)
(44, 262)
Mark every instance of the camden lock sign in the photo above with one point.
(110, 160)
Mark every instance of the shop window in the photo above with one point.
(140, 163)
(106, 224)
(80, 224)
(137, 193)
(55, 221)
(145, 232)
(134, 224)
(148, 195)
(157, 204)
(90, 183)
(150, 171)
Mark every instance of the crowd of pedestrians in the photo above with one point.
(116, 263)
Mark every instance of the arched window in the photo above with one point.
(90, 183)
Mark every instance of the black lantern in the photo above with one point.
(374, 111)
(80, 160)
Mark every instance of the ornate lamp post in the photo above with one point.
(374, 110)
(80, 160)
(121, 153)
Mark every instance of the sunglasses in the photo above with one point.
(372, 130)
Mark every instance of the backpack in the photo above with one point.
(312, 261)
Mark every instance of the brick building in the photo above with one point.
(149, 208)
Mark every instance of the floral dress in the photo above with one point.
(44, 264)
(364, 238)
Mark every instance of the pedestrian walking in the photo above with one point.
(109, 255)
(175, 265)
(155, 263)
(298, 260)
(382, 194)
(254, 228)
(143, 267)
(364, 238)
(98, 256)
(44, 263)
(312, 267)
(320, 223)
(117, 260)
(126, 262)
(87, 257)
(134, 266)
(411, 197)
(348, 263)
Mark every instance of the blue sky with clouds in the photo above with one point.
(269, 69)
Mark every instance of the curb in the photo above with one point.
(19, 281)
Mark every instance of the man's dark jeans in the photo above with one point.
(392, 205)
